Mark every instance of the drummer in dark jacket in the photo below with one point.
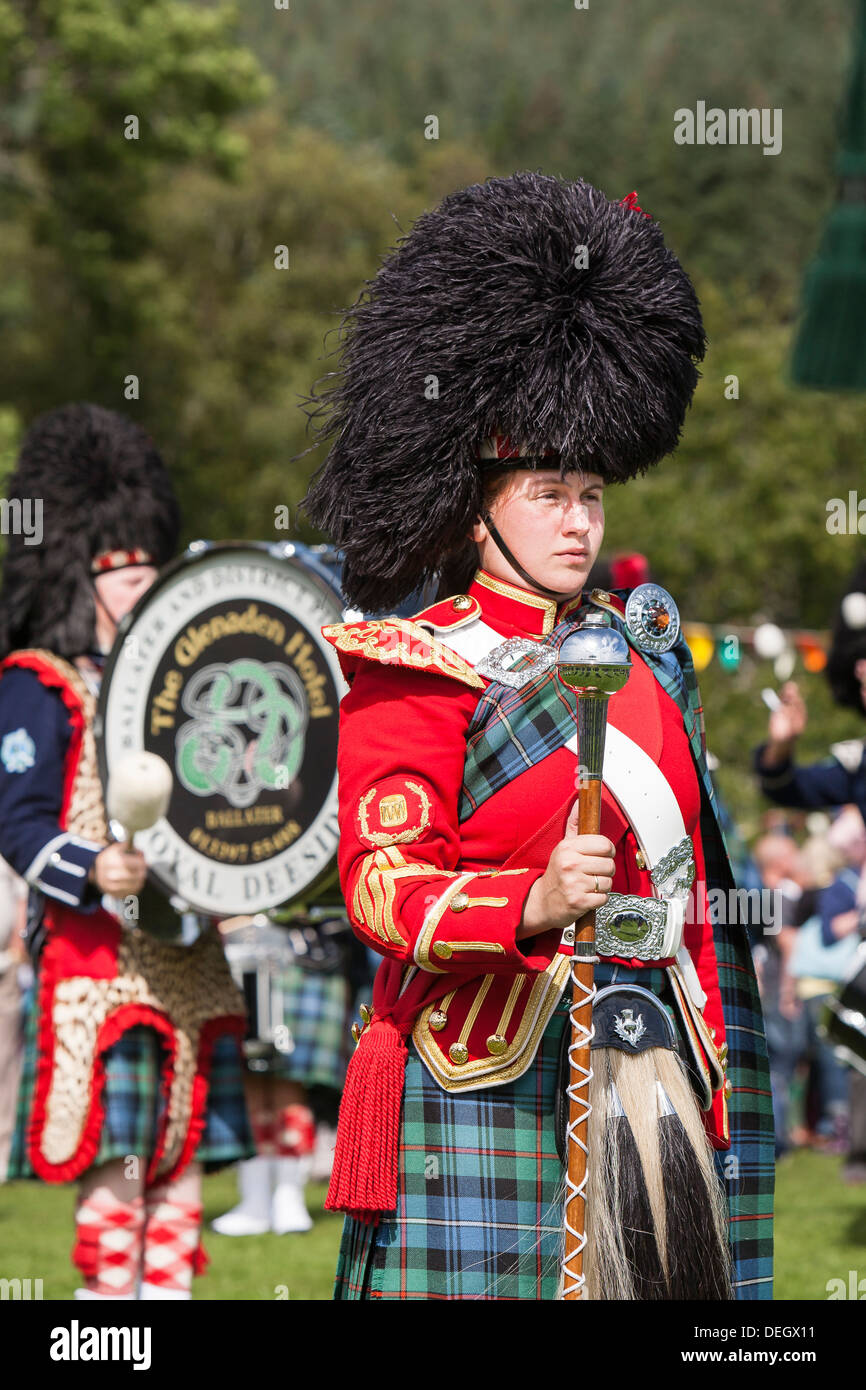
(131, 1076)
(837, 780)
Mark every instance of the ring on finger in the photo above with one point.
(597, 889)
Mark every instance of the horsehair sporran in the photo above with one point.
(656, 1215)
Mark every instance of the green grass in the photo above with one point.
(820, 1235)
(36, 1235)
(820, 1226)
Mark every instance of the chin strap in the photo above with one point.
(516, 565)
(98, 599)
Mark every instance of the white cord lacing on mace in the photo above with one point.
(575, 1193)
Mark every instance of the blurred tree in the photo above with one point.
(235, 338)
(97, 103)
(592, 92)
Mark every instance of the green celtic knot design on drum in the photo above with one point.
(246, 733)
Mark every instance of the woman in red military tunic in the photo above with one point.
(460, 858)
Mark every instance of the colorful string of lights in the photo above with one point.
(766, 642)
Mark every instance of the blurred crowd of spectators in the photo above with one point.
(815, 869)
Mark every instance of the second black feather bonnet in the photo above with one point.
(100, 485)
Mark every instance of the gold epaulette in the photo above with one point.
(401, 642)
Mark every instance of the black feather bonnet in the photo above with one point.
(99, 485)
(530, 307)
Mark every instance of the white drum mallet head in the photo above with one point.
(138, 792)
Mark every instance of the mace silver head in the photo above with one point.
(594, 657)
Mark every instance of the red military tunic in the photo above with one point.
(442, 900)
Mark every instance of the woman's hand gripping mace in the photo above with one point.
(594, 662)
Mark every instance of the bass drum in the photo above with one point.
(843, 1021)
(221, 670)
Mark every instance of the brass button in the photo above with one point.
(729, 1090)
(366, 1013)
(602, 595)
(496, 1044)
(459, 1053)
(438, 1020)
(459, 902)
(356, 1031)
(461, 603)
(713, 1034)
(639, 859)
(442, 950)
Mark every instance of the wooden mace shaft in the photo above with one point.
(588, 823)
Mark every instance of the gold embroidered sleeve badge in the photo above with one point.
(394, 812)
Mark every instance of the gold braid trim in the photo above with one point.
(399, 642)
(544, 995)
(376, 889)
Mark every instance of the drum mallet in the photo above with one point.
(138, 792)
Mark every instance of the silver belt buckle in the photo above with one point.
(631, 926)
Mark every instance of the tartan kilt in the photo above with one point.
(316, 1013)
(481, 1186)
(748, 1168)
(133, 1102)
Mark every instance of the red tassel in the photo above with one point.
(364, 1176)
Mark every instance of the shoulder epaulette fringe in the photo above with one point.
(400, 642)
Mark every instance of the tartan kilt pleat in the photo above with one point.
(748, 1168)
(133, 1101)
(481, 1186)
(316, 1015)
(479, 1213)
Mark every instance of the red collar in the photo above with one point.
(509, 607)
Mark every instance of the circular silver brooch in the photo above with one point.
(652, 618)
